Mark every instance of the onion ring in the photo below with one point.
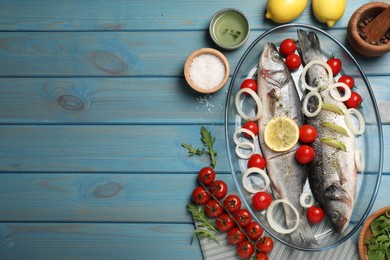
(242, 130)
(359, 160)
(359, 117)
(245, 146)
(305, 103)
(255, 97)
(303, 198)
(306, 68)
(336, 95)
(255, 170)
(274, 225)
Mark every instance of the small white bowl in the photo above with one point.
(197, 53)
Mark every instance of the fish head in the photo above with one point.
(338, 206)
(272, 67)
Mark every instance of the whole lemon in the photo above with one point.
(284, 11)
(329, 11)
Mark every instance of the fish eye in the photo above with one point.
(275, 57)
(335, 216)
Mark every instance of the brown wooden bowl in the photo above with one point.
(365, 232)
(197, 53)
(356, 42)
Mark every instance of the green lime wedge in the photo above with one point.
(332, 108)
(334, 143)
(335, 127)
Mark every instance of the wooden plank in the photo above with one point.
(90, 54)
(98, 197)
(138, 15)
(42, 241)
(112, 148)
(123, 101)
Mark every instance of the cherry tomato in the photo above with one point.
(261, 256)
(261, 200)
(249, 83)
(287, 46)
(307, 134)
(251, 126)
(256, 160)
(254, 231)
(213, 209)
(348, 80)
(232, 203)
(265, 244)
(245, 249)
(243, 217)
(200, 195)
(236, 235)
(219, 189)
(206, 175)
(335, 64)
(304, 154)
(315, 214)
(224, 222)
(293, 61)
(354, 101)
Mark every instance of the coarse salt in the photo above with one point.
(207, 71)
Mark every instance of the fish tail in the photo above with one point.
(309, 44)
(303, 235)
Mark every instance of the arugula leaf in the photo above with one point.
(208, 141)
(206, 227)
(193, 151)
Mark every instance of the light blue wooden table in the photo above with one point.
(93, 109)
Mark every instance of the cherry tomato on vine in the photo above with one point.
(348, 80)
(254, 231)
(243, 217)
(235, 236)
(200, 195)
(206, 175)
(219, 189)
(335, 64)
(249, 83)
(265, 244)
(287, 46)
(261, 200)
(307, 134)
(245, 249)
(224, 222)
(232, 203)
(251, 126)
(256, 160)
(293, 61)
(315, 214)
(304, 154)
(213, 209)
(261, 256)
(354, 101)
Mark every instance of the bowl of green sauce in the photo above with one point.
(229, 28)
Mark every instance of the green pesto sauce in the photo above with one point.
(230, 29)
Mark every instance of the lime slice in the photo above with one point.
(334, 143)
(281, 134)
(332, 108)
(335, 127)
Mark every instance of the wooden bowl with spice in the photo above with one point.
(361, 22)
(206, 70)
(371, 232)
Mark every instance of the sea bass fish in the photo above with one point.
(332, 174)
(279, 97)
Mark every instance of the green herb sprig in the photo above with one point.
(206, 227)
(379, 243)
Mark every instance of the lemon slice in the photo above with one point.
(334, 143)
(337, 128)
(281, 134)
(332, 108)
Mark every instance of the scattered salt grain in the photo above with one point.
(207, 71)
